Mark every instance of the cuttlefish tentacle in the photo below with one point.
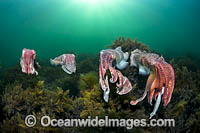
(157, 104)
(107, 90)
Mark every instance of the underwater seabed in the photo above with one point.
(59, 95)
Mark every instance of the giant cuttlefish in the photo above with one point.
(109, 59)
(161, 80)
(160, 83)
(67, 61)
(27, 61)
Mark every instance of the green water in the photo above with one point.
(52, 27)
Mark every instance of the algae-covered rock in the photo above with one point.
(129, 45)
(38, 101)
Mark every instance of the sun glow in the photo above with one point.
(91, 1)
(94, 8)
(95, 2)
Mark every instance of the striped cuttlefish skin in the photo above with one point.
(161, 80)
(160, 83)
(67, 62)
(27, 61)
(107, 59)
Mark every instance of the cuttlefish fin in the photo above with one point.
(118, 48)
(122, 64)
(143, 70)
(126, 55)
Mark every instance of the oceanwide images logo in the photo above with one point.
(46, 121)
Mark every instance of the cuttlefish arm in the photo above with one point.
(104, 83)
(106, 63)
(54, 62)
(150, 80)
(157, 104)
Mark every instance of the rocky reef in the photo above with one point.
(58, 95)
